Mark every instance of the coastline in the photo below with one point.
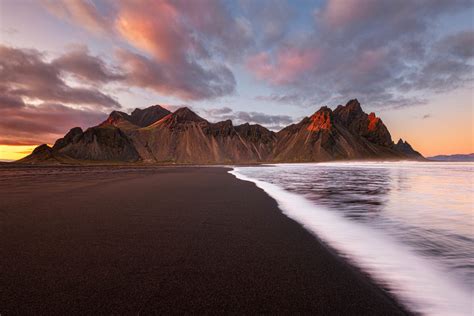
(166, 240)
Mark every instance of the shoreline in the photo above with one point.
(100, 163)
(167, 240)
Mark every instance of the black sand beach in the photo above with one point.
(168, 240)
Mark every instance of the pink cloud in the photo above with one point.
(32, 125)
(154, 28)
(342, 13)
(177, 80)
(81, 12)
(369, 60)
(286, 67)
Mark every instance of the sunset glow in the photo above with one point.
(9, 153)
(272, 62)
(237, 157)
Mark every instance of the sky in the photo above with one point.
(70, 63)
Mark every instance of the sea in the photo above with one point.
(408, 225)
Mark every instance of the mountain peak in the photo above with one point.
(349, 111)
(185, 137)
(354, 105)
(321, 120)
(405, 148)
(374, 122)
(139, 117)
(151, 108)
(149, 115)
(42, 149)
(185, 114)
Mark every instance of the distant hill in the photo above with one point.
(156, 135)
(457, 157)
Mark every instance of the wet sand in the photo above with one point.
(110, 240)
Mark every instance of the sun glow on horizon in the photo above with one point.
(15, 152)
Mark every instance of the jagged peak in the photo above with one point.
(116, 113)
(247, 124)
(148, 116)
(152, 108)
(186, 114)
(349, 112)
(403, 142)
(225, 123)
(247, 127)
(323, 109)
(115, 117)
(354, 104)
(321, 120)
(374, 121)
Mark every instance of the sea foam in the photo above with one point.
(417, 283)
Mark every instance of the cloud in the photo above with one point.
(288, 99)
(200, 83)
(174, 107)
(270, 18)
(274, 122)
(458, 45)
(36, 103)
(218, 111)
(288, 66)
(44, 123)
(88, 68)
(374, 20)
(25, 74)
(382, 52)
(426, 116)
(9, 30)
(81, 12)
(182, 42)
(184, 45)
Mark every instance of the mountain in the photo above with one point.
(345, 133)
(156, 135)
(138, 118)
(405, 147)
(185, 137)
(457, 157)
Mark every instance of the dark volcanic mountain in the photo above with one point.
(345, 133)
(155, 135)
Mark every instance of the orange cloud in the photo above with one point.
(153, 28)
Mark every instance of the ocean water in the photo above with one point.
(409, 225)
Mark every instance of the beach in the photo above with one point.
(164, 240)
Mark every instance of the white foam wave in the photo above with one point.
(416, 282)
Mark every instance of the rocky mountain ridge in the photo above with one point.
(156, 135)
